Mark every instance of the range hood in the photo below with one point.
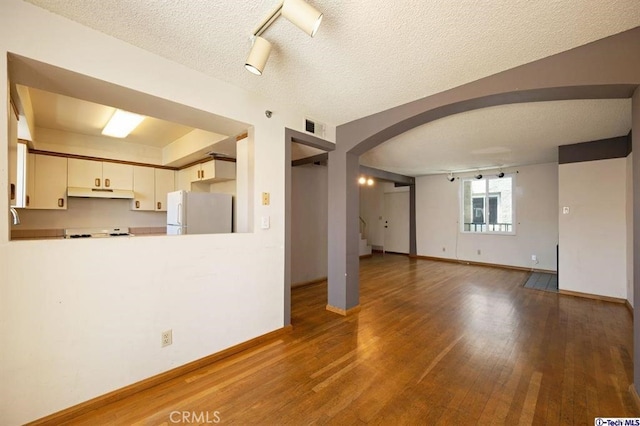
(98, 193)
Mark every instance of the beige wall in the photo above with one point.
(536, 198)
(90, 213)
(71, 307)
(593, 236)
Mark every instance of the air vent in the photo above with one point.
(314, 127)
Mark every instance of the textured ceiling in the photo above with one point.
(374, 55)
(501, 136)
(367, 56)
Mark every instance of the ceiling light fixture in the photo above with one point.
(298, 12)
(302, 15)
(450, 178)
(122, 123)
(258, 55)
(370, 182)
(362, 180)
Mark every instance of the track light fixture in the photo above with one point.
(450, 178)
(258, 55)
(478, 176)
(501, 174)
(298, 12)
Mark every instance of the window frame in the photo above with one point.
(487, 195)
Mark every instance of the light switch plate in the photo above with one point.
(265, 199)
(266, 222)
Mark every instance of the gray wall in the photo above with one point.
(308, 223)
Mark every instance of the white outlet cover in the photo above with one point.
(565, 210)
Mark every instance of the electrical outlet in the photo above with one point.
(167, 338)
(534, 257)
(266, 199)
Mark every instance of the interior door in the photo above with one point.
(396, 222)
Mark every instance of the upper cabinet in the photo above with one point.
(13, 156)
(213, 171)
(208, 172)
(165, 183)
(46, 182)
(98, 174)
(151, 186)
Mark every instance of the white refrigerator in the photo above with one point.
(198, 213)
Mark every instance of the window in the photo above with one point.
(488, 205)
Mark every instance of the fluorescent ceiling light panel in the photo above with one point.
(122, 123)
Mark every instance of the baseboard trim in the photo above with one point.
(629, 307)
(634, 396)
(365, 256)
(489, 265)
(592, 296)
(307, 283)
(343, 312)
(119, 394)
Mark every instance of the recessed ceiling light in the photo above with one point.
(122, 123)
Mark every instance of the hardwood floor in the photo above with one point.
(434, 342)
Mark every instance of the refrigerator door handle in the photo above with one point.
(179, 213)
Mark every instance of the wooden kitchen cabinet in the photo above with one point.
(143, 188)
(30, 180)
(99, 174)
(165, 183)
(213, 171)
(151, 186)
(49, 176)
(13, 156)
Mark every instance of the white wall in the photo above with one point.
(80, 318)
(593, 246)
(629, 215)
(309, 227)
(536, 195)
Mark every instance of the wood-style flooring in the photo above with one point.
(434, 343)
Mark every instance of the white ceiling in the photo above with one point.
(373, 55)
(54, 111)
(500, 136)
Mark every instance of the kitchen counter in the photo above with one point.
(51, 234)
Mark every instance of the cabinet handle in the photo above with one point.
(137, 204)
(60, 202)
(97, 182)
(28, 202)
(199, 174)
(159, 205)
(13, 191)
(107, 183)
(202, 174)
